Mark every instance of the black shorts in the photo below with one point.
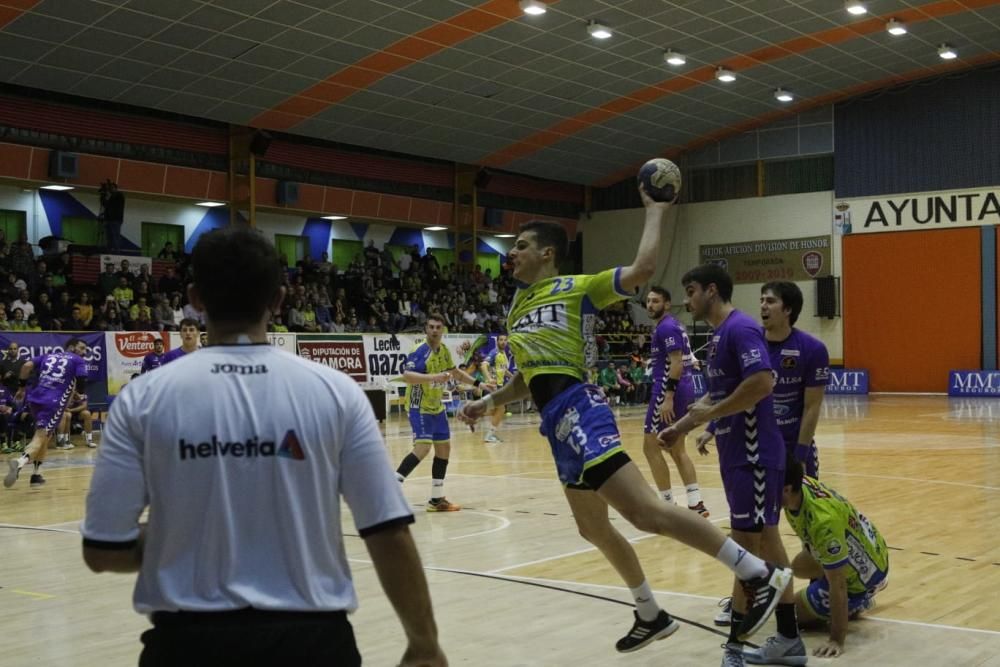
(597, 475)
(249, 637)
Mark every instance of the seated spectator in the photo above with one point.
(323, 317)
(139, 309)
(108, 280)
(62, 311)
(294, 317)
(169, 282)
(167, 252)
(177, 311)
(143, 321)
(352, 326)
(338, 325)
(637, 374)
(112, 320)
(75, 322)
(163, 314)
(10, 290)
(23, 302)
(607, 380)
(309, 324)
(371, 325)
(18, 323)
(277, 326)
(125, 271)
(627, 388)
(33, 324)
(86, 308)
(141, 290)
(44, 311)
(192, 313)
(123, 293)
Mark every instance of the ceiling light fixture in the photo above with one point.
(946, 52)
(725, 75)
(435, 228)
(856, 7)
(598, 30)
(894, 27)
(783, 95)
(57, 188)
(505, 236)
(334, 217)
(210, 204)
(533, 7)
(671, 57)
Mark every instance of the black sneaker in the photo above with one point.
(646, 632)
(36, 481)
(762, 595)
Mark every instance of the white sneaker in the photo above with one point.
(777, 650)
(725, 616)
(66, 445)
(492, 439)
(12, 473)
(92, 444)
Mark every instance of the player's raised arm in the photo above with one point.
(641, 270)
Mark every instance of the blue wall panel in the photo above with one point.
(936, 135)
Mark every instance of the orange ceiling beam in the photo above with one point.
(830, 37)
(362, 74)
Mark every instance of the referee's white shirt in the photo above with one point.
(241, 453)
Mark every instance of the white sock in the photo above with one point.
(23, 460)
(645, 603)
(667, 495)
(400, 478)
(694, 494)
(437, 488)
(740, 561)
(89, 435)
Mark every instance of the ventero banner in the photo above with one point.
(922, 210)
(974, 383)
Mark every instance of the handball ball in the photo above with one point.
(661, 179)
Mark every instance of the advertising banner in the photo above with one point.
(974, 383)
(283, 341)
(775, 259)
(126, 350)
(33, 344)
(134, 263)
(343, 352)
(924, 210)
(848, 381)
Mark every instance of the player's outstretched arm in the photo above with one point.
(644, 265)
(401, 574)
(514, 390)
(837, 579)
(413, 377)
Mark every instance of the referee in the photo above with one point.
(242, 452)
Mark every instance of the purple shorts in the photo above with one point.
(754, 496)
(683, 398)
(47, 408)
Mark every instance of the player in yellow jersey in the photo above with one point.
(428, 369)
(498, 368)
(551, 331)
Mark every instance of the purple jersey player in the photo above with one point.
(55, 378)
(751, 449)
(154, 359)
(189, 341)
(671, 362)
(802, 367)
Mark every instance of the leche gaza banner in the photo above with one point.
(796, 260)
(372, 360)
(33, 344)
(923, 210)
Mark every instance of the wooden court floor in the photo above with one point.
(515, 586)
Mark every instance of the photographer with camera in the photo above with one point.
(112, 213)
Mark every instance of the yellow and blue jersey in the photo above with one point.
(426, 397)
(551, 323)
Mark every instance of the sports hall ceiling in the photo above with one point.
(479, 81)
